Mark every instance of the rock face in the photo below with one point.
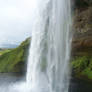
(82, 3)
(82, 40)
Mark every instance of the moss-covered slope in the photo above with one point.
(15, 59)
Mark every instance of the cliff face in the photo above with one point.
(82, 39)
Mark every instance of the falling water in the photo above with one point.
(48, 63)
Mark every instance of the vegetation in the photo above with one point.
(14, 60)
(2, 51)
(82, 67)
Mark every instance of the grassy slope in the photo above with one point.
(14, 60)
(4, 51)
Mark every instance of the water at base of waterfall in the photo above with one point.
(10, 83)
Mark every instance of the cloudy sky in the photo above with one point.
(15, 20)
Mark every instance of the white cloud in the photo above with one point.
(16, 19)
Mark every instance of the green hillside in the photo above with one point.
(14, 60)
(2, 51)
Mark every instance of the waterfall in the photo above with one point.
(48, 63)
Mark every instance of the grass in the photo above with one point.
(14, 60)
(4, 51)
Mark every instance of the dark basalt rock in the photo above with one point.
(82, 3)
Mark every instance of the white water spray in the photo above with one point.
(48, 63)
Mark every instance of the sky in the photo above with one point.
(16, 19)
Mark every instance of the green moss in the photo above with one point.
(87, 72)
(80, 63)
(82, 66)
